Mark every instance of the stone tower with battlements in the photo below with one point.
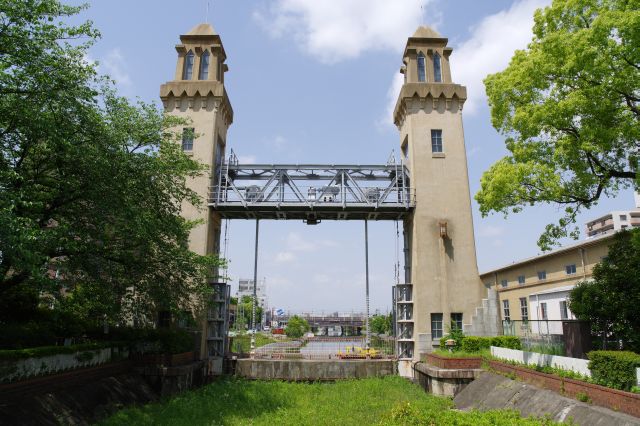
(197, 94)
(440, 259)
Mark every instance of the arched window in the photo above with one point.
(437, 68)
(204, 66)
(422, 68)
(188, 66)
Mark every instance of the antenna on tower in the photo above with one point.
(207, 14)
(422, 14)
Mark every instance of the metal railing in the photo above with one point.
(326, 348)
(300, 189)
(543, 336)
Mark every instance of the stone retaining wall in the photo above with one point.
(441, 381)
(492, 391)
(454, 363)
(61, 381)
(313, 370)
(614, 399)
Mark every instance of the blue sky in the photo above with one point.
(314, 81)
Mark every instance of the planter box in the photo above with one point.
(614, 399)
(454, 363)
(167, 360)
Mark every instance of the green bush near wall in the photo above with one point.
(614, 369)
(510, 342)
(476, 344)
(42, 351)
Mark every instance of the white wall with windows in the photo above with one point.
(548, 308)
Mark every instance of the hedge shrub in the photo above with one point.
(475, 344)
(614, 369)
(12, 354)
(510, 342)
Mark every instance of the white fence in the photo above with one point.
(576, 365)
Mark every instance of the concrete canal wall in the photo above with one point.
(312, 370)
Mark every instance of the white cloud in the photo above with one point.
(491, 46)
(247, 159)
(335, 30)
(296, 243)
(472, 151)
(490, 231)
(115, 66)
(321, 279)
(392, 97)
(284, 257)
(279, 142)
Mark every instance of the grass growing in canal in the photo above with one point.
(382, 401)
(242, 343)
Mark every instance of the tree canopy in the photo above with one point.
(381, 324)
(568, 106)
(91, 185)
(610, 302)
(296, 327)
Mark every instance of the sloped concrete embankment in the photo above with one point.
(493, 391)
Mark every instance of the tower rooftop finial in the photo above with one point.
(202, 30)
(426, 32)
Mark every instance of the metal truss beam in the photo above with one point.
(312, 192)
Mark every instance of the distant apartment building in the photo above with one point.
(537, 289)
(614, 221)
(245, 288)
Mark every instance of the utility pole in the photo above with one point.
(366, 261)
(255, 287)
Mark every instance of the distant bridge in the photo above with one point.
(345, 320)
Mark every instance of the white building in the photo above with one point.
(548, 308)
(245, 288)
(614, 221)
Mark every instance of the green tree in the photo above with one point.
(296, 327)
(91, 185)
(611, 300)
(247, 310)
(381, 324)
(568, 106)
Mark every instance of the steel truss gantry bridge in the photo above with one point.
(312, 192)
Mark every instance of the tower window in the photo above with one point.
(506, 313)
(405, 148)
(436, 140)
(524, 309)
(436, 326)
(204, 66)
(422, 68)
(187, 138)
(437, 68)
(188, 66)
(456, 321)
(544, 313)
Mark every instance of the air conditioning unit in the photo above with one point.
(372, 194)
(252, 193)
(329, 194)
